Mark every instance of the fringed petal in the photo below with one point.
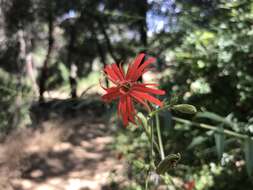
(131, 110)
(133, 68)
(145, 96)
(111, 94)
(117, 71)
(140, 71)
(139, 99)
(148, 90)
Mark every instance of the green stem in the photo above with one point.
(206, 126)
(159, 136)
(201, 125)
(151, 114)
(151, 139)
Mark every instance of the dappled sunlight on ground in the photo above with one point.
(81, 161)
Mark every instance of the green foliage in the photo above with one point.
(216, 118)
(220, 141)
(204, 52)
(218, 52)
(13, 109)
(249, 156)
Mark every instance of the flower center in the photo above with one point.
(125, 87)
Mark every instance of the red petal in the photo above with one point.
(110, 97)
(117, 71)
(133, 68)
(146, 63)
(124, 112)
(109, 72)
(148, 84)
(113, 73)
(139, 99)
(129, 69)
(147, 97)
(111, 94)
(140, 70)
(148, 90)
(131, 111)
(112, 89)
(119, 108)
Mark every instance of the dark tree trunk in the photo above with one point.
(44, 71)
(73, 86)
(143, 8)
(142, 24)
(71, 65)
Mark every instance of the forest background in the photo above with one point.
(52, 54)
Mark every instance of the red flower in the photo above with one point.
(128, 90)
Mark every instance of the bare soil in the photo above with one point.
(77, 159)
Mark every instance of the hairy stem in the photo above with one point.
(152, 141)
(151, 114)
(159, 136)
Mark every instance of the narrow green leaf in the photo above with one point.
(143, 119)
(185, 108)
(167, 118)
(219, 141)
(249, 156)
(168, 162)
(197, 141)
(215, 117)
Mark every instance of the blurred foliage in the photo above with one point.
(208, 160)
(214, 61)
(204, 53)
(14, 108)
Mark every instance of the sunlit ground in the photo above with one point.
(81, 160)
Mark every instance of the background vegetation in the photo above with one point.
(204, 50)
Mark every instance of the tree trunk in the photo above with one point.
(143, 24)
(72, 67)
(44, 71)
(143, 8)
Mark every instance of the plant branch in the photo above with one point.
(201, 125)
(151, 114)
(107, 39)
(211, 127)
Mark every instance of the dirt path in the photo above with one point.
(82, 161)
